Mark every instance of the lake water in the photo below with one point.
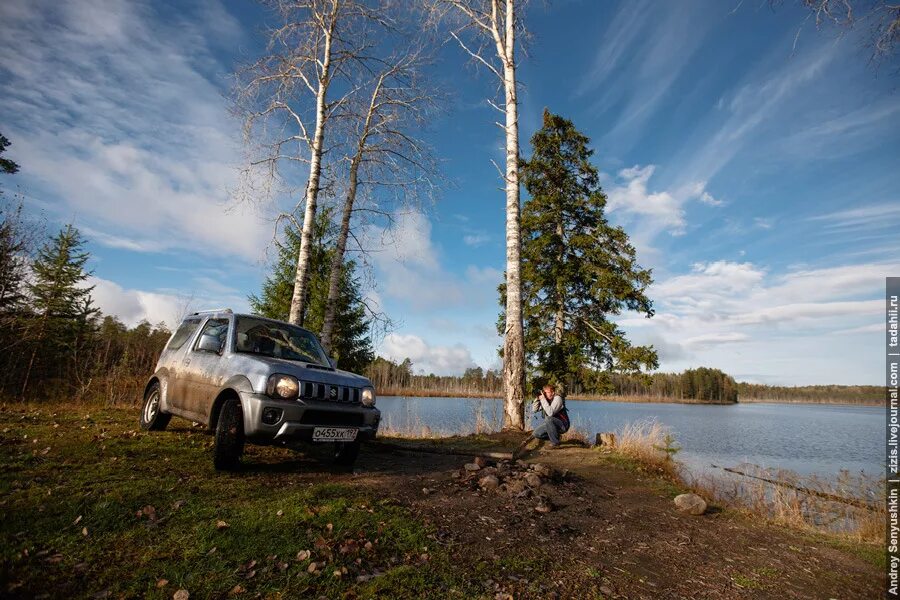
(805, 438)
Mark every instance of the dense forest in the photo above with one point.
(54, 343)
(693, 385)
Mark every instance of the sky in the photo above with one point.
(752, 159)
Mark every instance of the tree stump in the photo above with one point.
(607, 439)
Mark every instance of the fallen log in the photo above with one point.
(824, 495)
(434, 449)
(605, 438)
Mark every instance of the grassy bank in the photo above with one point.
(808, 504)
(94, 506)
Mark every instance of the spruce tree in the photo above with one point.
(578, 271)
(352, 345)
(61, 302)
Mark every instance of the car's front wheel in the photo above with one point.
(152, 418)
(345, 453)
(229, 444)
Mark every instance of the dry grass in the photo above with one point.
(413, 428)
(576, 434)
(648, 441)
(801, 502)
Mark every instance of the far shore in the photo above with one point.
(627, 399)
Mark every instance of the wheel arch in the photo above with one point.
(232, 389)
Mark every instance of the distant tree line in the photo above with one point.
(825, 394)
(693, 385)
(392, 377)
(707, 385)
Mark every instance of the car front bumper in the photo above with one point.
(298, 418)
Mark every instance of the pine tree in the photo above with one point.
(578, 271)
(352, 344)
(13, 261)
(61, 302)
(6, 165)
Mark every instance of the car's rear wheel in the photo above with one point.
(345, 453)
(152, 418)
(229, 444)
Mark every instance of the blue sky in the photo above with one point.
(754, 168)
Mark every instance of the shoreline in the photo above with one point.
(399, 392)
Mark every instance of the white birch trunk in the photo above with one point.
(514, 344)
(298, 300)
(337, 259)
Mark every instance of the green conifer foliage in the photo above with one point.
(578, 271)
(352, 338)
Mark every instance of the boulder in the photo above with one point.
(480, 461)
(542, 469)
(533, 480)
(515, 487)
(691, 504)
(489, 482)
(472, 467)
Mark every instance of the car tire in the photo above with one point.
(229, 443)
(345, 453)
(152, 418)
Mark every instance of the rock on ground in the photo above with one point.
(489, 482)
(691, 504)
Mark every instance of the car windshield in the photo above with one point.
(278, 340)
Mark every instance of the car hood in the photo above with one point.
(264, 366)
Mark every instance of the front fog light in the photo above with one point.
(368, 396)
(270, 415)
(283, 387)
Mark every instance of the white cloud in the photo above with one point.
(740, 317)
(118, 119)
(410, 271)
(131, 306)
(863, 217)
(654, 211)
(440, 360)
(631, 79)
(134, 306)
(476, 239)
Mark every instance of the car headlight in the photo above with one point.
(283, 387)
(368, 396)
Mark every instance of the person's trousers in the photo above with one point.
(550, 429)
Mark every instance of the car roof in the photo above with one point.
(219, 312)
(261, 318)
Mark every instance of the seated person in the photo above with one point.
(556, 416)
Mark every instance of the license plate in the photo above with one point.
(334, 434)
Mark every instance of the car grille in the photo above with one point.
(331, 393)
(324, 417)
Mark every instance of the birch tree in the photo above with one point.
(287, 101)
(487, 30)
(383, 152)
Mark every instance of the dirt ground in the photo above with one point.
(605, 528)
(611, 533)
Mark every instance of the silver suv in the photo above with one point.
(258, 380)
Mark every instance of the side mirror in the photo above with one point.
(209, 343)
(332, 362)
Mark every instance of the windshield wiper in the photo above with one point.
(318, 366)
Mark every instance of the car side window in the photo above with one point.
(217, 328)
(183, 333)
